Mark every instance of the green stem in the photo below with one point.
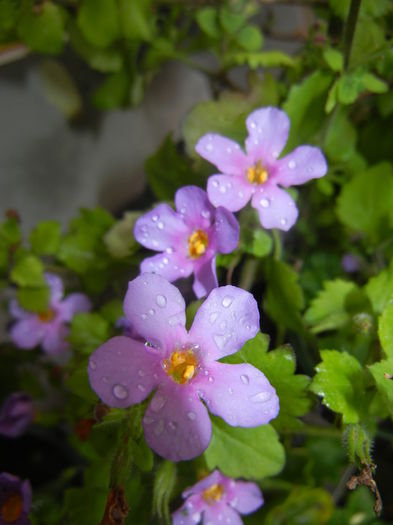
(277, 253)
(248, 273)
(318, 431)
(349, 31)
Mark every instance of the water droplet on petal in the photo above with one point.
(120, 391)
(244, 379)
(169, 250)
(196, 517)
(159, 428)
(233, 502)
(154, 218)
(211, 379)
(141, 388)
(93, 364)
(160, 225)
(209, 147)
(174, 320)
(215, 183)
(220, 340)
(223, 188)
(227, 301)
(191, 416)
(275, 154)
(223, 325)
(241, 194)
(253, 124)
(144, 316)
(213, 316)
(283, 222)
(291, 164)
(265, 203)
(205, 214)
(165, 260)
(172, 426)
(261, 397)
(151, 311)
(161, 300)
(229, 150)
(230, 390)
(256, 141)
(157, 403)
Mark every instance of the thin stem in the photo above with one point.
(349, 32)
(277, 253)
(248, 273)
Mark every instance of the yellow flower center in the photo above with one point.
(213, 494)
(47, 316)
(181, 366)
(197, 243)
(12, 508)
(257, 174)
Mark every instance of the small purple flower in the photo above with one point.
(15, 500)
(16, 414)
(258, 173)
(182, 367)
(47, 328)
(350, 263)
(217, 499)
(188, 238)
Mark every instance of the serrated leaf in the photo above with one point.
(207, 19)
(261, 59)
(382, 373)
(88, 331)
(379, 289)
(340, 381)
(45, 238)
(99, 21)
(255, 452)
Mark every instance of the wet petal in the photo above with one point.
(268, 130)
(122, 372)
(223, 153)
(27, 333)
(190, 512)
(156, 309)
(54, 341)
(205, 278)
(72, 304)
(159, 228)
(205, 483)
(56, 287)
(226, 231)
(176, 423)
(244, 496)
(303, 164)
(171, 266)
(240, 394)
(221, 513)
(230, 192)
(192, 202)
(225, 321)
(275, 207)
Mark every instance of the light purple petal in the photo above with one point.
(230, 192)
(225, 321)
(223, 153)
(268, 130)
(275, 207)
(160, 228)
(244, 496)
(72, 304)
(156, 309)
(176, 423)
(203, 484)
(190, 512)
(301, 165)
(54, 341)
(56, 287)
(122, 372)
(16, 311)
(240, 394)
(171, 266)
(192, 202)
(205, 277)
(26, 495)
(221, 513)
(28, 332)
(227, 229)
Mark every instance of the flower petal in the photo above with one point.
(227, 229)
(206, 482)
(172, 266)
(56, 287)
(301, 165)
(230, 192)
(176, 423)
(54, 341)
(156, 309)
(225, 321)
(72, 304)
(240, 394)
(159, 228)
(221, 513)
(27, 333)
(244, 496)
(122, 372)
(205, 277)
(16, 311)
(190, 512)
(268, 130)
(275, 207)
(223, 153)
(192, 202)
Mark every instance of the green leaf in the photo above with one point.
(340, 381)
(28, 271)
(380, 289)
(136, 19)
(340, 139)
(256, 242)
(385, 330)
(327, 311)
(142, 455)
(231, 22)
(250, 38)
(382, 373)
(284, 297)
(9, 12)
(113, 92)
(331, 100)
(164, 485)
(78, 382)
(99, 21)
(374, 84)
(385, 104)
(255, 453)
(334, 59)
(45, 238)
(42, 28)
(120, 240)
(349, 87)
(34, 298)
(256, 59)
(207, 19)
(369, 37)
(10, 238)
(88, 502)
(88, 331)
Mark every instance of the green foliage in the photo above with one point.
(88, 331)
(136, 19)
(380, 289)
(385, 330)
(382, 373)
(99, 21)
(45, 238)
(164, 484)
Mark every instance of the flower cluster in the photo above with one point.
(15, 500)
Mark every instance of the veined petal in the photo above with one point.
(268, 130)
(56, 287)
(226, 231)
(223, 153)
(192, 202)
(221, 513)
(240, 394)
(122, 372)
(27, 333)
(156, 309)
(230, 192)
(176, 423)
(171, 266)
(244, 496)
(224, 322)
(301, 165)
(72, 304)
(275, 207)
(159, 228)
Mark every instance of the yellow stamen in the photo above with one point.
(213, 494)
(12, 508)
(197, 243)
(257, 174)
(181, 366)
(46, 316)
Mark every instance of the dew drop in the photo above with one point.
(120, 391)
(215, 183)
(261, 397)
(283, 222)
(209, 147)
(191, 416)
(157, 403)
(275, 154)
(253, 124)
(144, 316)
(160, 225)
(154, 242)
(241, 194)
(244, 379)
(213, 317)
(165, 260)
(141, 373)
(220, 340)
(211, 379)
(229, 150)
(159, 428)
(256, 141)
(141, 388)
(161, 300)
(265, 203)
(169, 250)
(183, 211)
(161, 266)
(151, 311)
(291, 164)
(223, 325)
(93, 364)
(154, 218)
(223, 188)
(196, 517)
(227, 301)
(205, 214)
(230, 390)
(173, 320)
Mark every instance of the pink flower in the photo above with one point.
(188, 238)
(258, 173)
(182, 367)
(47, 328)
(217, 499)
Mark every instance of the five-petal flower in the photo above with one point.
(182, 366)
(258, 173)
(188, 238)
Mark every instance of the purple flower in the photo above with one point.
(182, 366)
(188, 238)
(47, 328)
(350, 263)
(217, 499)
(15, 500)
(258, 174)
(16, 414)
